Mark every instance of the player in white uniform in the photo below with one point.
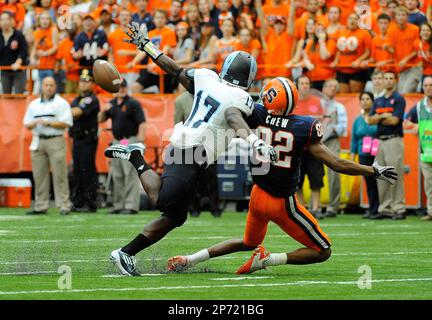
(220, 103)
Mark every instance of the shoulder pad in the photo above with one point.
(190, 73)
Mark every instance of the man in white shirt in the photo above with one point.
(335, 126)
(48, 117)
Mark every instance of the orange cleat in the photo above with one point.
(178, 263)
(256, 262)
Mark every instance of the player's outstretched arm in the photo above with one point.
(139, 37)
(235, 120)
(321, 152)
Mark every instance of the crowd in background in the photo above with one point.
(379, 49)
(341, 39)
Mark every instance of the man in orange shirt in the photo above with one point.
(165, 38)
(277, 45)
(122, 53)
(346, 6)
(275, 8)
(382, 47)
(65, 59)
(45, 46)
(404, 36)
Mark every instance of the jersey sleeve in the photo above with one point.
(244, 103)
(316, 132)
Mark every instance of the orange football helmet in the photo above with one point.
(279, 96)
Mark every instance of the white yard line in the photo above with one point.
(240, 278)
(182, 288)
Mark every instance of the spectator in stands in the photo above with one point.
(360, 132)
(273, 9)
(226, 44)
(224, 11)
(376, 85)
(66, 61)
(310, 105)
(85, 108)
(194, 22)
(13, 53)
(353, 46)
(391, 9)
(317, 56)
(31, 17)
(334, 24)
(312, 13)
(253, 46)
(48, 117)
(123, 53)
(388, 112)
(415, 16)
(45, 46)
(205, 54)
(106, 22)
(277, 44)
(128, 126)
(247, 9)
(299, 53)
(382, 49)
(90, 44)
(18, 11)
(183, 53)
(175, 13)
(421, 115)
(425, 49)
(164, 38)
(404, 36)
(143, 16)
(206, 13)
(334, 124)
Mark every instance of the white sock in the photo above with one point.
(276, 259)
(198, 257)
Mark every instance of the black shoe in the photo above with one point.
(330, 214)
(114, 211)
(399, 216)
(125, 263)
(380, 216)
(195, 213)
(83, 209)
(35, 212)
(216, 213)
(64, 212)
(120, 151)
(128, 211)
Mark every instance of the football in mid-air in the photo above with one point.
(106, 76)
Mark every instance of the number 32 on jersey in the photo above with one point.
(284, 144)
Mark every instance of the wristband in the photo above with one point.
(152, 50)
(252, 138)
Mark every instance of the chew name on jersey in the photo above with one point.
(206, 124)
(289, 136)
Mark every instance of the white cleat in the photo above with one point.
(124, 262)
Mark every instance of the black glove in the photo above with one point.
(385, 173)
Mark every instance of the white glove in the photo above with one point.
(264, 150)
(385, 173)
(139, 37)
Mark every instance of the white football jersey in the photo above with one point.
(206, 124)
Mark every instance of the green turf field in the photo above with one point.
(399, 254)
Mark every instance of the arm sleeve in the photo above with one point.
(92, 108)
(399, 108)
(65, 113)
(28, 117)
(23, 48)
(342, 124)
(316, 132)
(353, 148)
(412, 115)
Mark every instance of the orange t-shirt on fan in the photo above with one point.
(115, 41)
(351, 45)
(43, 39)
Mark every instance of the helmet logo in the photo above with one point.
(270, 95)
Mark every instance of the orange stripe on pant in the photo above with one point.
(288, 214)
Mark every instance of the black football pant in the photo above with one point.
(85, 179)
